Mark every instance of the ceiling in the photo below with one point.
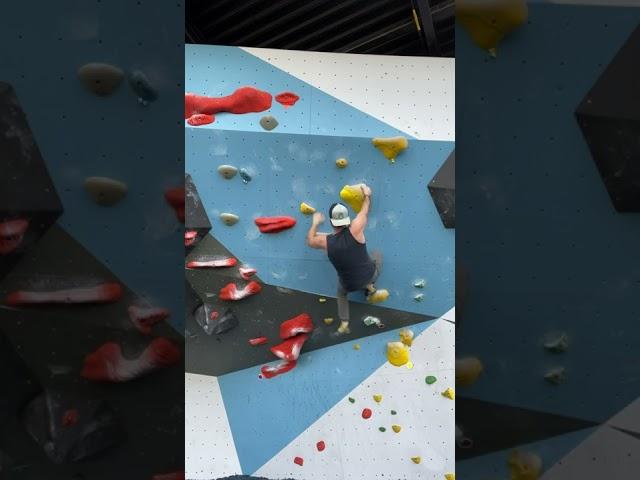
(384, 27)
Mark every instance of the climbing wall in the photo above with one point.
(309, 422)
(539, 190)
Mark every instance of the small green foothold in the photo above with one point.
(382, 429)
(393, 412)
(352, 400)
(430, 380)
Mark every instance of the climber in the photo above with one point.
(347, 251)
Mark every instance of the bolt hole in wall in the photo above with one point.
(294, 162)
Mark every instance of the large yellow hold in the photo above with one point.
(397, 353)
(468, 370)
(391, 147)
(524, 465)
(307, 209)
(450, 476)
(353, 196)
(489, 21)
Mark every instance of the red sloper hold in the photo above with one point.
(107, 364)
(198, 119)
(243, 100)
(175, 198)
(290, 349)
(298, 461)
(144, 318)
(270, 371)
(104, 293)
(230, 291)
(288, 99)
(246, 272)
(274, 224)
(299, 324)
(257, 341)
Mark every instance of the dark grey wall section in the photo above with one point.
(262, 314)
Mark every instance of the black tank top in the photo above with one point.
(350, 259)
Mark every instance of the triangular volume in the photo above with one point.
(197, 223)
(315, 112)
(628, 418)
(485, 427)
(279, 409)
(442, 188)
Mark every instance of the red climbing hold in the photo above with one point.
(270, 371)
(230, 291)
(11, 234)
(200, 119)
(288, 99)
(290, 349)
(107, 364)
(257, 341)
(190, 237)
(274, 224)
(70, 417)
(320, 446)
(298, 461)
(175, 198)
(366, 413)
(218, 263)
(246, 272)
(243, 100)
(299, 324)
(104, 293)
(144, 318)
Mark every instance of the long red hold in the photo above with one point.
(274, 224)
(289, 350)
(243, 100)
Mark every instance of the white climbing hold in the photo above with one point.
(268, 122)
(227, 171)
(555, 375)
(229, 218)
(419, 297)
(419, 283)
(558, 344)
(105, 191)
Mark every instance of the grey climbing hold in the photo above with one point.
(558, 344)
(246, 178)
(419, 297)
(268, 122)
(229, 218)
(369, 320)
(105, 191)
(101, 78)
(555, 376)
(227, 171)
(420, 283)
(211, 323)
(142, 87)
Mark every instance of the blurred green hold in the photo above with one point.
(352, 400)
(430, 379)
(393, 412)
(382, 429)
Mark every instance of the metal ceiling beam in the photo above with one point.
(424, 19)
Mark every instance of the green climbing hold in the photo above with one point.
(352, 400)
(393, 412)
(382, 429)
(430, 380)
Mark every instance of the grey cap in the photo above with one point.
(339, 215)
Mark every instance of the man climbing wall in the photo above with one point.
(347, 251)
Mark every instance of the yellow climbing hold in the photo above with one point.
(322, 299)
(416, 460)
(356, 346)
(342, 163)
(353, 196)
(468, 370)
(397, 353)
(377, 397)
(328, 321)
(409, 365)
(450, 476)
(378, 296)
(406, 336)
(391, 147)
(488, 22)
(524, 465)
(449, 393)
(396, 428)
(307, 209)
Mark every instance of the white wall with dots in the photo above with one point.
(355, 448)
(209, 445)
(413, 94)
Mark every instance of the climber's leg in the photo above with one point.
(343, 309)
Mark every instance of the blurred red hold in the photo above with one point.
(288, 99)
(290, 349)
(274, 224)
(299, 324)
(320, 446)
(366, 413)
(243, 100)
(298, 461)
